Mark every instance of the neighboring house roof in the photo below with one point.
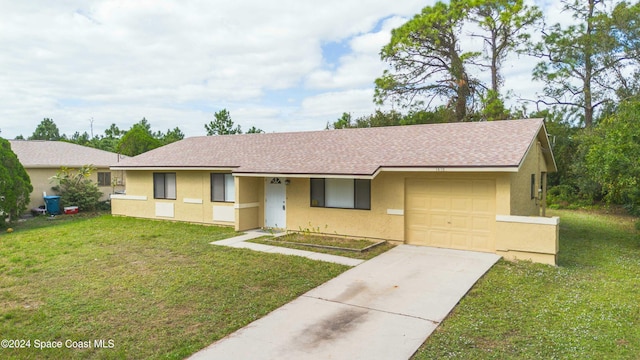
(497, 144)
(48, 154)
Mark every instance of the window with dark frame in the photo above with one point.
(164, 186)
(104, 179)
(222, 187)
(317, 192)
(533, 186)
(340, 193)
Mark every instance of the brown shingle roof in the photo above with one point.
(352, 151)
(47, 154)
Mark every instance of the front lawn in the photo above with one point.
(155, 289)
(586, 308)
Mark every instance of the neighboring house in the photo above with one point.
(474, 186)
(42, 159)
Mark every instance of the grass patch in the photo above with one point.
(41, 221)
(353, 248)
(157, 289)
(586, 308)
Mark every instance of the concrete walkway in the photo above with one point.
(240, 242)
(384, 308)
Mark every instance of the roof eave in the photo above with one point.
(173, 168)
(546, 148)
(57, 166)
(448, 169)
(548, 154)
(305, 175)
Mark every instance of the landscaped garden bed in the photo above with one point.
(349, 247)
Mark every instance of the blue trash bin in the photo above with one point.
(53, 204)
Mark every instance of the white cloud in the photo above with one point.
(176, 62)
(120, 60)
(329, 106)
(362, 65)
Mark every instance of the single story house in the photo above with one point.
(43, 159)
(474, 186)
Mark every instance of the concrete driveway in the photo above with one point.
(382, 309)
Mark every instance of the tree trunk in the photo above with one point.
(494, 62)
(461, 104)
(460, 83)
(588, 68)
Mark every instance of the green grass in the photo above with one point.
(41, 221)
(157, 289)
(586, 308)
(354, 244)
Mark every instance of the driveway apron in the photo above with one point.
(384, 308)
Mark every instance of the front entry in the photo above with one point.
(275, 202)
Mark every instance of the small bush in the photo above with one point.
(631, 202)
(561, 196)
(76, 189)
(566, 197)
(104, 205)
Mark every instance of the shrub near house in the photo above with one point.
(76, 188)
(15, 184)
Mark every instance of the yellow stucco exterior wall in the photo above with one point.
(249, 208)
(40, 180)
(374, 223)
(139, 183)
(521, 201)
(192, 204)
(386, 219)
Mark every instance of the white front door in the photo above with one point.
(275, 213)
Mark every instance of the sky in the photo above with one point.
(282, 65)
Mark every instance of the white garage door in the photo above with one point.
(451, 213)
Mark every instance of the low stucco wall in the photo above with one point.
(528, 238)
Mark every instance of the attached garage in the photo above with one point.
(451, 213)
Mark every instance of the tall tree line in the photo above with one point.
(138, 139)
(585, 67)
(590, 71)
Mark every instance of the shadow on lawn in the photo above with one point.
(30, 222)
